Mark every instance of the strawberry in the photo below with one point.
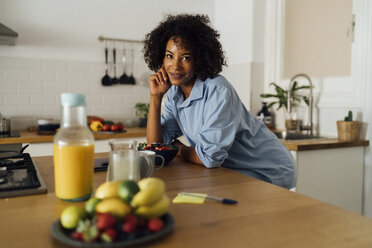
(105, 221)
(109, 235)
(131, 218)
(155, 224)
(77, 236)
(128, 227)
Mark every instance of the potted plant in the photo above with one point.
(142, 110)
(348, 130)
(281, 100)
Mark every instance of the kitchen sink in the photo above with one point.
(295, 136)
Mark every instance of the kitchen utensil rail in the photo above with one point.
(102, 38)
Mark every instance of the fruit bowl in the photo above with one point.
(168, 152)
(141, 237)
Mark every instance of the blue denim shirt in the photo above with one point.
(216, 123)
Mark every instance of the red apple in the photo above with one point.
(106, 127)
(114, 127)
(121, 126)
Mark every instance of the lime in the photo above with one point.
(90, 205)
(71, 216)
(127, 189)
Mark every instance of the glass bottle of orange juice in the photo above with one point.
(73, 151)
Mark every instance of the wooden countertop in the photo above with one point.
(33, 137)
(266, 215)
(322, 143)
(293, 145)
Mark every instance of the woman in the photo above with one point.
(186, 55)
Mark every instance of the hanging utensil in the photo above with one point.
(114, 80)
(131, 79)
(106, 80)
(124, 78)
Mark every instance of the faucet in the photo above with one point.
(308, 127)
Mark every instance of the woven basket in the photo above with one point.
(348, 130)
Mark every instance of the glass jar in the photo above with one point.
(73, 151)
(124, 163)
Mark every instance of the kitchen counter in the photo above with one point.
(292, 145)
(266, 215)
(321, 143)
(33, 137)
(330, 170)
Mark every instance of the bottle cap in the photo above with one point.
(72, 99)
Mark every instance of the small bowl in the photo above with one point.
(168, 155)
(49, 127)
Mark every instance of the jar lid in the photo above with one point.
(72, 99)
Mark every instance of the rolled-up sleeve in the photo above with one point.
(169, 125)
(221, 121)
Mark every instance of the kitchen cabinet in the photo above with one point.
(333, 173)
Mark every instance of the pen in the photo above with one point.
(223, 200)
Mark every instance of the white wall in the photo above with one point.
(69, 29)
(234, 21)
(58, 50)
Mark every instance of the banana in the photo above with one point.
(108, 190)
(114, 206)
(151, 190)
(158, 209)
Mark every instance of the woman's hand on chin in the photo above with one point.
(159, 83)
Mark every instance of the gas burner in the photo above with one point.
(20, 176)
(12, 162)
(6, 162)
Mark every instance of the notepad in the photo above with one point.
(189, 199)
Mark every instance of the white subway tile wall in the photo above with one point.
(32, 87)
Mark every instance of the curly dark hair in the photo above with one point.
(195, 34)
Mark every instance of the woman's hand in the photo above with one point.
(187, 153)
(180, 146)
(159, 83)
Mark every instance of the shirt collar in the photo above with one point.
(196, 93)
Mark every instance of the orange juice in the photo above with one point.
(73, 171)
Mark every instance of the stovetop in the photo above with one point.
(20, 176)
(10, 134)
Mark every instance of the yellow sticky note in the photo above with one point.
(189, 199)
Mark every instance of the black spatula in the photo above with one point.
(114, 80)
(106, 80)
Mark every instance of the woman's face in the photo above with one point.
(179, 63)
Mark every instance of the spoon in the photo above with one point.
(106, 80)
(131, 79)
(114, 80)
(124, 78)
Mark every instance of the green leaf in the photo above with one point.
(268, 95)
(271, 104)
(306, 100)
(302, 87)
(294, 86)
